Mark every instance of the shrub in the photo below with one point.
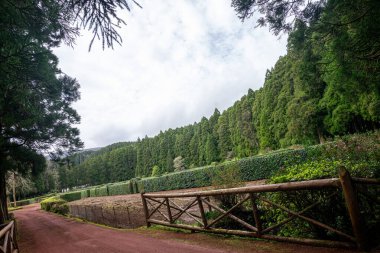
(93, 192)
(101, 191)
(120, 188)
(252, 168)
(55, 205)
(85, 194)
(71, 196)
(155, 171)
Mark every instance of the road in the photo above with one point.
(42, 232)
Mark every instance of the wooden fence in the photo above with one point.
(8, 238)
(199, 204)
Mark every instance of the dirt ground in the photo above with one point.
(43, 232)
(126, 211)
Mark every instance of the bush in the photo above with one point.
(55, 205)
(71, 196)
(120, 188)
(252, 168)
(85, 194)
(93, 192)
(101, 191)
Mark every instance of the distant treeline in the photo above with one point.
(327, 84)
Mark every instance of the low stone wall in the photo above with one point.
(114, 216)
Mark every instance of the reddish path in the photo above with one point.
(42, 232)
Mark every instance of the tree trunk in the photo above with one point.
(14, 190)
(3, 196)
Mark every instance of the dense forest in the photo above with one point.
(327, 84)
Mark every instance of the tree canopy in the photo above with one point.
(36, 112)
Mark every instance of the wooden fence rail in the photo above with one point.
(161, 209)
(8, 238)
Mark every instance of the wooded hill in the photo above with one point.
(326, 85)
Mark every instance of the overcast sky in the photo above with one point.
(178, 62)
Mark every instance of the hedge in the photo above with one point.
(23, 202)
(120, 188)
(93, 192)
(85, 193)
(251, 168)
(71, 196)
(55, 204)
(101, 191)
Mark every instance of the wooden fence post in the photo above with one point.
(169, 211)
(202, 211)
(353, 209)
(256, 215)
(145, 206)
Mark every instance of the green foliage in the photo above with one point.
(93, 192)
(85, 194)
(253, 168)
(120, 188)
(55, 204)
(101, 191)
(155, 171)
(71, 196)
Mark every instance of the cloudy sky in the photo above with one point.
(178, 62)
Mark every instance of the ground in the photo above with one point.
(43, 232)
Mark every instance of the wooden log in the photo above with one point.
(189, 205)
(353, 209)
(209, 207)
(310, 220)
(146, 211)
(357, 180)
(255, 212)
(169, 211)
(325, 243)
(156, 208)
(293, 216)
(6, 228)
(187, 213)
(291, 186)
(245, 224)
(227, 212)
(202, 211)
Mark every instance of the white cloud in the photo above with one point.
(179, 60)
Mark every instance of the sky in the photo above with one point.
(179, 60)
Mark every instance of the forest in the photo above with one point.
(326, 85)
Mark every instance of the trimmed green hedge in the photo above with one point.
(23, 202)
(85, 194)
(120, 188)
(93, 192)
(71, 196)
(101, 191)
(55, 205)
(251, 168)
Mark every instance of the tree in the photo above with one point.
(36, 97)
(179, 163)
(281, 15)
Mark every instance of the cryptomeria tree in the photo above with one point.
(36, 97)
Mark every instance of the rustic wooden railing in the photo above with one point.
(161, 209)
(8, 243)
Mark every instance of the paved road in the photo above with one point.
(42, 232)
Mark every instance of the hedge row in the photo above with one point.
(120, 188)
(55, 204)
(71, 196)
(251, 168)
